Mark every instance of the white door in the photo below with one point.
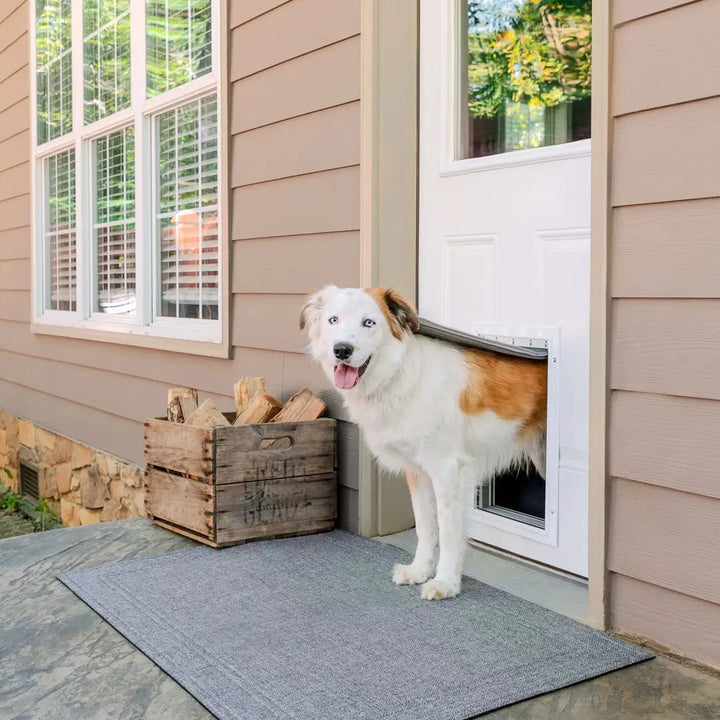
(504, 239)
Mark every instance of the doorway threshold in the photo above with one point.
(554, 591)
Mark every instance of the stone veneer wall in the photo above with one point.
(82, 485)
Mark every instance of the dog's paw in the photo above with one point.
(439, 590)
(411, 574)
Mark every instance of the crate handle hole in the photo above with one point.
(279, 443)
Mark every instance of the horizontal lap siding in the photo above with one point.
(295, 177)
(294, 154)
(664, 515)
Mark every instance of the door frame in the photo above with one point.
(389, 60)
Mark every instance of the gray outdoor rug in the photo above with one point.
(312, 628)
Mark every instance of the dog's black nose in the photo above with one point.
(343, 351)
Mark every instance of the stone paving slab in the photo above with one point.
(59, 660)
(14, 524)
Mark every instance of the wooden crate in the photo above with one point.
(226, 485)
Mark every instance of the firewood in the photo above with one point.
(260, 409)
(207, 415)
(245, 390)
(303, 405)
(175, 411)
(182, 402)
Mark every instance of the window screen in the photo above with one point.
(178, 36)
(106, 57)
(186, 221)
(60, 232)
(114, 226)
(53, 56)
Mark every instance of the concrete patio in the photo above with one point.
(61, 661)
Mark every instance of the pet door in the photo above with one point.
(520, 500)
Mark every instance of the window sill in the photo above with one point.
(157, 337)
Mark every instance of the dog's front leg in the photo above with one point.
(424, 508)
(450, 497)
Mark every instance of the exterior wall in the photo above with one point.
(294, 122)
(83, 486)
(664, 283)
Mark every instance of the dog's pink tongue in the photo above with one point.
(345, 376)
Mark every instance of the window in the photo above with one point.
(126, 152)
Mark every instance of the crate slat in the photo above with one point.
(184, 449)
(182, 501)
(231, 536)
(248, 453)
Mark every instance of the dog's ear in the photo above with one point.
(401, 316)
(403, 311)
(312, 309)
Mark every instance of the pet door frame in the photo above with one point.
(485, 525)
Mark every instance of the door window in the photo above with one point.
(524, 69)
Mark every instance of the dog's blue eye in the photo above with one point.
(333, 319)
(368, 322)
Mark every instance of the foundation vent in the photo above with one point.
(29, 482)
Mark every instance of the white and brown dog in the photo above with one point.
(450, 418)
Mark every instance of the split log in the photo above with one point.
(303, 405)
(207, 415)
(182, 402)
(261, 408)
(245, 390)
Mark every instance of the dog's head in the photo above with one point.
(357, 335)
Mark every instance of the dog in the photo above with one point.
(449, 418)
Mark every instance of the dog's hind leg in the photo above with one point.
(425, 510)
(451, 485)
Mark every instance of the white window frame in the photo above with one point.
(204, 337)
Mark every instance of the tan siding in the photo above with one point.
(322, 140)
(269, 265)
(15, 56)
(13, 25)
(215, 377)
(269, 321)
(667, 250)
(672, 153)
(82, 423)
(666, 538)
(15, 274)
(15, 212)
(668, 58)
(243, 10)
(14, 304)
(15, 149)
(664, 440)
(15, 243)
(274, 37)
(680, 622)
(664, 344)
(654, 339)
(13, 117)
(9, 7)
(14, 181)
(624, 10)
(317, 203)
(14, 87)
(321, 79)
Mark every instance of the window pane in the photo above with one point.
(53, 50)
(106, 57)
(59, 233)
(526, 65)
(114, 224)
(187, 204)
(178, 41)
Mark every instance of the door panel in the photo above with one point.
(504, 243)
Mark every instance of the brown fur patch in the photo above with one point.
(399, 314)
(512, 388)
(411, 482)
